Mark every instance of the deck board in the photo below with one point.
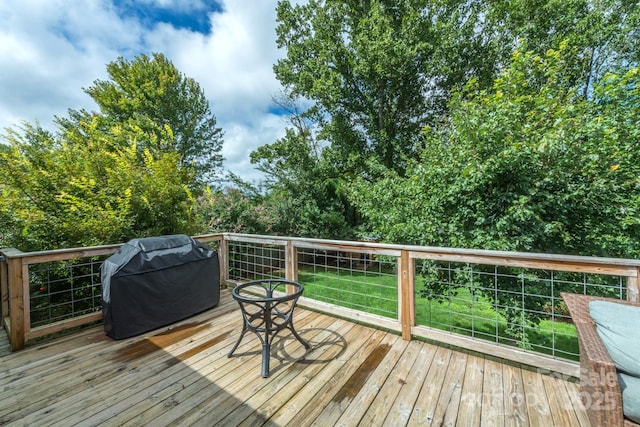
(427, 400)
(352, 375)
(379, 409)
(401, 410)
(470, 406)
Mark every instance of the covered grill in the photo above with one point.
(155, 281)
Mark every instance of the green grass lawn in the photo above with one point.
(377, 293)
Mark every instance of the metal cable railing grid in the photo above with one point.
(64, 289)
(253, 261)
(354, 280)
(505, 305)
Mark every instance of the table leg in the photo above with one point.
(266, 354)
(244, 329)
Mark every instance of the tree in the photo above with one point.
(110, 176)
(68, 193)
(152, 95)
(303, 194)
(378, 71)
(604, 32)
(231, 210)
(375, 73)
(530, 165)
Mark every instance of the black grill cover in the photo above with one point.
(155, 281)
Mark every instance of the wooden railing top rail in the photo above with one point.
(587, 264)
(70, 253)
(600, 265)
(59, 254)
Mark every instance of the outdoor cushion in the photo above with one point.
(630, 387)
(618, 328)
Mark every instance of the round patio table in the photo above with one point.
(267, 308)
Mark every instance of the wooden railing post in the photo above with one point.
(16, 288)
(4, 289)
(223, 257)
(632, 288)
(406, 274)
(291, 262)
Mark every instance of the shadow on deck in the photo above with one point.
(353, 375)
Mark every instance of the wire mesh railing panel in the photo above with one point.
(254, 261)
(355, 280)
(60, 290)
(506, 305)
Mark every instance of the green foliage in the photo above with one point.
(604, 32)
(230, 211)
(66, 193)
(305, 198)
(377, 71)
(530, 165)
(238, 211)
(153, 96)
(109, 177)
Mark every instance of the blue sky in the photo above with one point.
(188, 15)
(51, 49)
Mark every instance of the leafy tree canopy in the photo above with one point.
(129, 171)
(377, 71)
(304, 192)
(529, 165)
(152, 95)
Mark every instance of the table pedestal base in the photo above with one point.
(266, 315)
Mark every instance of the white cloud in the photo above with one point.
(50, 50)
(240, 140)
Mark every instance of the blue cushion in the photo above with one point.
(630, 396)
(618, 326)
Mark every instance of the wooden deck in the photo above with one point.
(353, 375)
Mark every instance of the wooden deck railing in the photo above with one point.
(15, 285)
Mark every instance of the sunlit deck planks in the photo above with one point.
(353, 375)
